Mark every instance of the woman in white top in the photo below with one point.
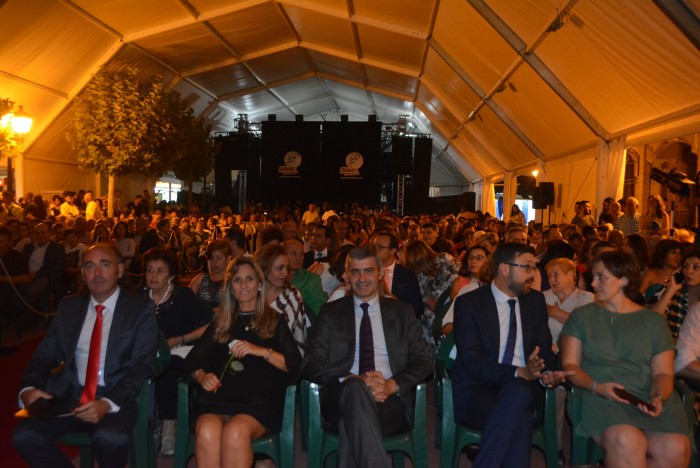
(563, 295)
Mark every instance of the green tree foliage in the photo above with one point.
(195, 150)
(117, 124)
(123, 127)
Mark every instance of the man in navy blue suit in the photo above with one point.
(399, 281)
(503, 349)
(104, 389)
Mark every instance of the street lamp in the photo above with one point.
(17, 125)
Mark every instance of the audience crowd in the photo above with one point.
(298, 260)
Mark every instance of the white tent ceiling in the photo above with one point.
(501, 84)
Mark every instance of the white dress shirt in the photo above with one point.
(83, 350)
(519, 358)
(381, 354)
(689, 339)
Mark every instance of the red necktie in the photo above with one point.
(93, 364)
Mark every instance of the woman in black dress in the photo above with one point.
(244, 362)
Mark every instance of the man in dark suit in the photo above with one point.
(398, 280)
(366, 402)
(47, 265)
(503, 348)
(145, 239)
(101, 371)
(320, 252)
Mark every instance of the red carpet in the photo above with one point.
(12, 366)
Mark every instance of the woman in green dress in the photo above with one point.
(614, 344)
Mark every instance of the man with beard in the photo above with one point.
(503, 349)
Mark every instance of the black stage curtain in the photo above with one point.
(420, 186)
(351, 162)
(290, 161)
(237, 152)
(452, 204)
(402, 155)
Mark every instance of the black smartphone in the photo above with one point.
(678, 277)
(625, 395)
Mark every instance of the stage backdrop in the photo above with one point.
(290, 161)
(351, 162)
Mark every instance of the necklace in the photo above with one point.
(164, 296)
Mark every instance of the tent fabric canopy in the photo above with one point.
(503, 86)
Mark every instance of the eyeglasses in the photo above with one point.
(476, 257)
(527, 268)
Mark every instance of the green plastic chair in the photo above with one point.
(584, 450)
(688, 394)
(142, 451)
(441, 308)
(279, 447)
(455, 437)
(413, 443)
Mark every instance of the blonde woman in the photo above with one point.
(243, 363)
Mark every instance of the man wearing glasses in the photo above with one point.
(399, 281)
(503, 349)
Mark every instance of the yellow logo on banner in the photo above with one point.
(292, 160)
(353, 163)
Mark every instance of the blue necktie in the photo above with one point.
(512, 334)
(366, 341)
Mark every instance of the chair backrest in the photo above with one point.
(441, 308)
(447, 352)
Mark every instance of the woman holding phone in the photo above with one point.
(615, 346)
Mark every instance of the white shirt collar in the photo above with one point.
(110, 303)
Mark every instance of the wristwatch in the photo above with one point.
(542, 381)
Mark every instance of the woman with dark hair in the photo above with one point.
(613, 345)
(586, 279)
(516, 216)
(280, 294)
(655, 220)
(337, 269)
(243, 364)
(636, 246)
(125, 244)
(471, 276)
(56, 202)
(100, 233)
(664, 261)
(208, 284)
(674, 303)
(557, 249)
(436, 273)
(182, 319)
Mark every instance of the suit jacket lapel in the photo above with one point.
(490, 314)
(116, 327)
(80, 317)
(390, 332)
(526, 323)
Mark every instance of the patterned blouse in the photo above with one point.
(210, 291)
(290, 305)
